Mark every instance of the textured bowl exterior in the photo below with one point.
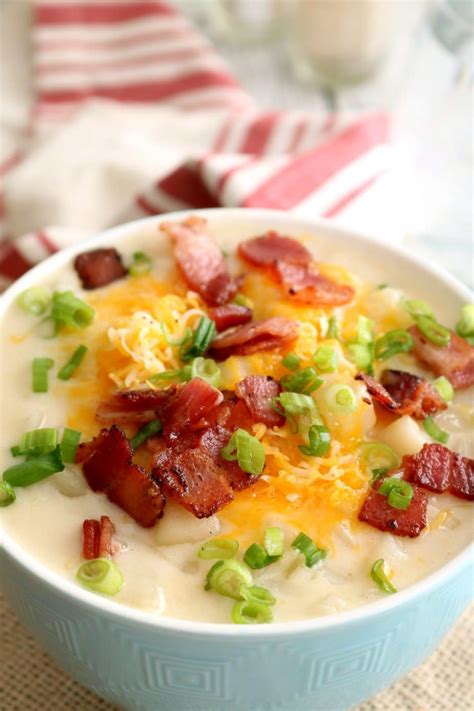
(140, 662)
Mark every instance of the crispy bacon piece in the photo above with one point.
(107, 465)
(377, 512)
(107, 530)
(230, 315)
(187, 408)
(99, 267)
(254, 337)
(134, 406)
(200, 260)
(258, 392)
(404, 393)
(267, 250)
(455, 361)
(438, 469)
(90, 539)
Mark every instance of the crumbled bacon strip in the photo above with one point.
(254, 337)
(200, 260)
(90, 539)
(99, 267)
(268, 249)
(377, 512)
(258, 393)
(187, 408)
(438, 469)
(108, 467)
(404, 393)
(230, 315)
(455, 361)
(134, 406)
(107, 530)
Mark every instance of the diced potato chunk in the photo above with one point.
(180, 526)
(404, 435)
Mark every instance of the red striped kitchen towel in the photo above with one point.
(147, 69)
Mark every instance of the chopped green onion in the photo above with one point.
(326, 359)
(378, 473)
(254, 593)
(365, 327)
(40, 374)
(101, 575)
(417, 307)
(340, 399)
(186, 373)
(362, 355)
(7, 494)
(379, 287)
(35, 300)
(297, 403)
(34, 469)
(377, 455)
(434, 331)
(141, 264)
(444, 387)
(291, 361)
(37, 442)
(319, 442)
(250, 613)
(242, 300)
(145, 432)
(434, 431)
(303, 544)
(379, 576)
(273, 541)
(399, 492)
(202, 338)
(257, 557)
(73, 363)
(247, 450)
(181, 341)
(227, 577)
(393, 342)
(68, 310)
(333, 330)
(15, 451)
(69, 444)
(165, 375)
(465, 325)
(303, 381)
(206, 369)
(223, 548)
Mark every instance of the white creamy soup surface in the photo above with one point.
(161, 569)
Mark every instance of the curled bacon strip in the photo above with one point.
(377, 512)
(438, 469)
(291, 264)
(188, 406)
(99, 267)
(98, 538)
(200, 260)
(137, 406)
(404, 393)
(455, 361)
(254, 337)
(230, 315)
(107, 465)
(258, 392)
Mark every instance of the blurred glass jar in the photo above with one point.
(338, 42)
(244, 22)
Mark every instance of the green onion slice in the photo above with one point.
(101, 575)
(273, 541)
(34, 469)
(297, 403)
(444, 387)
(69, 444)
(178, 341)
(393, 342)
(223, 548)
(40, 374)
(73, 363)
(399, 492)
(242, 300)
(257, 557)
(362, 355)
(37, 442)
(434, 431)
(145, 432)
(251, 613)
(141, 264)
(379, 576)
(291, 361)
(365, 327)
(303, 381)
(305, 545)
(246, 450)
(417, 307)
(340, 399)
(333, 330)
(35, 300)
(319, 442)
(227, 577)
(165, 375)
(434, 331)
(202, 338)
(377, 455)
(255, 593)
(326, 359)
(7, 494)
(378, 473)
(68, 310)
(206, 369)
(465, 325)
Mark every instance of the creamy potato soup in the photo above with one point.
(218, 427)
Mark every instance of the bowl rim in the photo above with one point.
(120, 612)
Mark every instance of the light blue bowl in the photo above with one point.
(139, 661)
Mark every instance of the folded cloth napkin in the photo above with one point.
(135, 114)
